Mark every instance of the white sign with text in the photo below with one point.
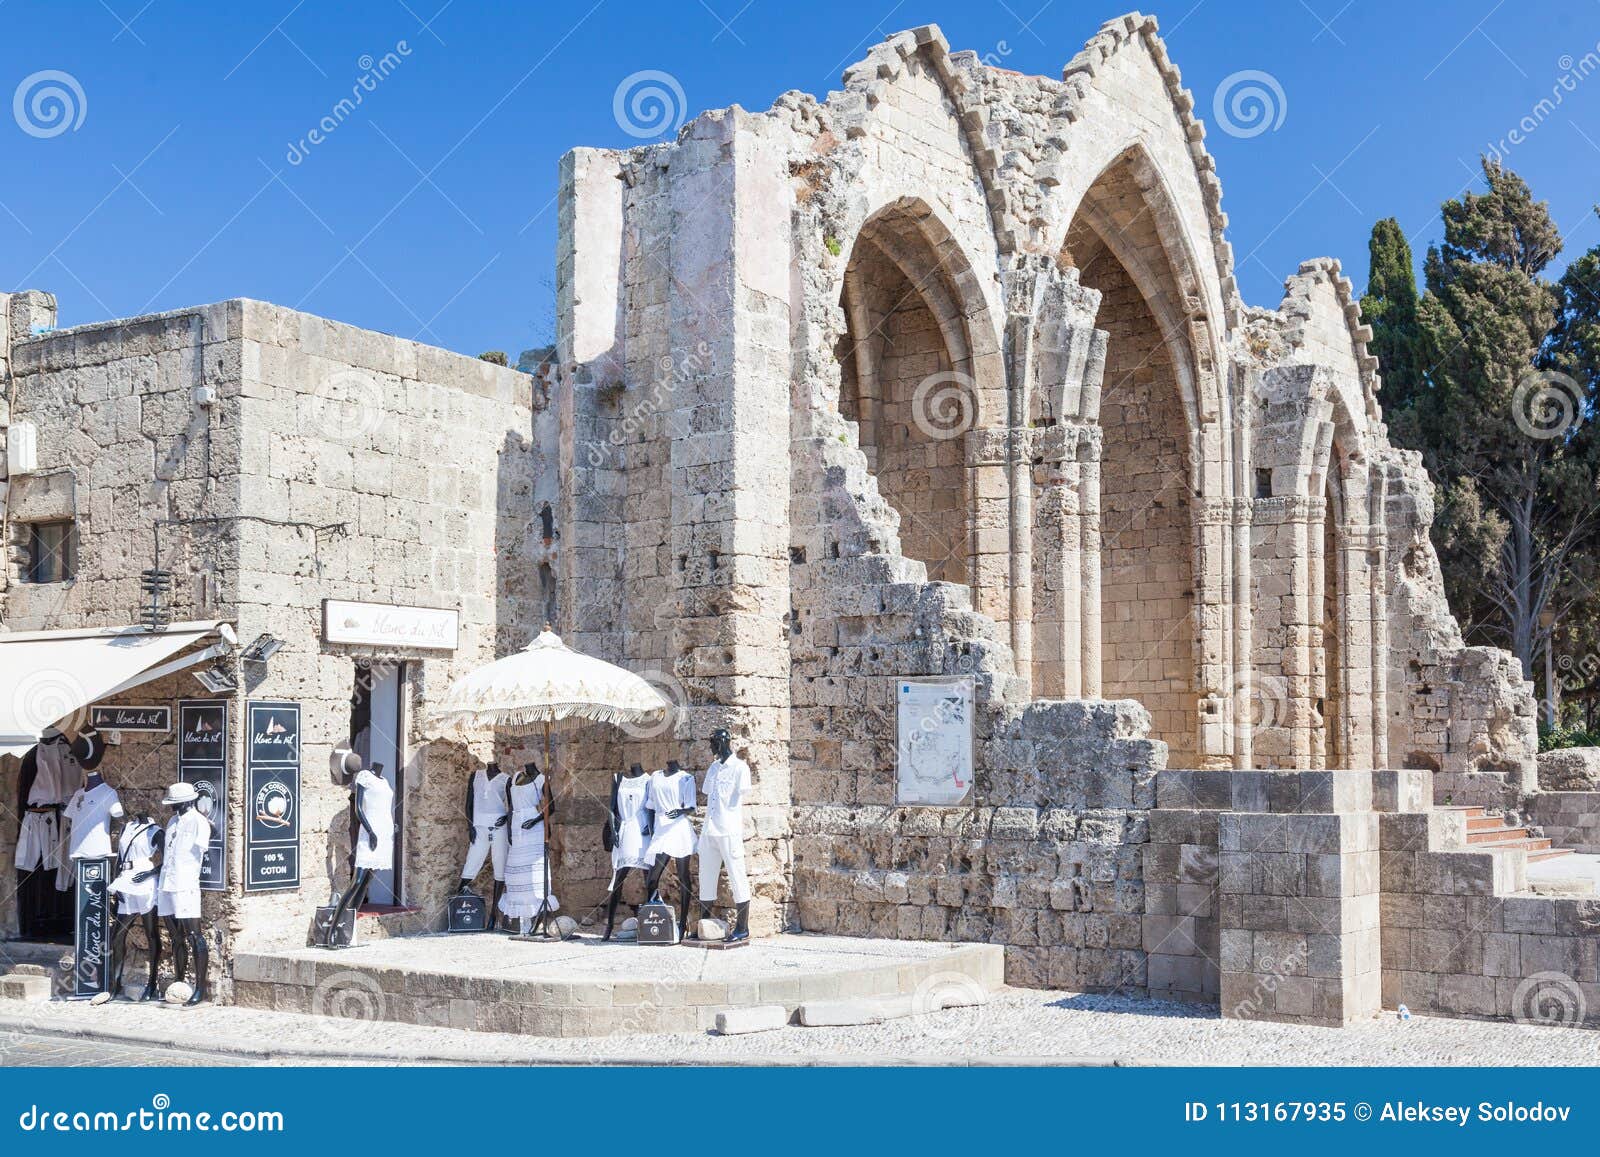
(385, 625)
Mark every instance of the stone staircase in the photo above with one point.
(1490, 833)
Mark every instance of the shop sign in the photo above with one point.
(126, 717)
(658, 924)
(934, 749)
(272, 805)
(386, 625)
(203, 761)
(91, 941)
(467, 912)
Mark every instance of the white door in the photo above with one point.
(386, 745)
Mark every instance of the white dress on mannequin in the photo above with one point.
(629, 849)
(135, 854)
(524, 894)
(670, 792)
(377, 804)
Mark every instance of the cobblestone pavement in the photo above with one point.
(62, 1052)
(1018, 1025)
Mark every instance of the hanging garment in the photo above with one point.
(629, 819)
(377, 805)
(672, 835)
(525, 866)
(489, 842)
(41, 840)
(136, 852)
(182, 857)
(90, 812)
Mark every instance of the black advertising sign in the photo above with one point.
(130, 718)
(203, 761)
(91, 940)
(658, 924)
(272, 806)
(467, 912)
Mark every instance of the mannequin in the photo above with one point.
(527, 895)
(671, 800)
(372, 846)
(722, 836)
(626, 834)
(488, 830)
(138, 854)
(178, 894)
(93, 806)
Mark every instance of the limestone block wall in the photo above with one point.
(380, 470)
(121, 444)
(1571, 819)
(1047, 861)
(677, 380)
(332, 462)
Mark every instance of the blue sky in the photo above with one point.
(430, 210)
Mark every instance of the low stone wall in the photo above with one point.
(1049, 863)
(1570, 818)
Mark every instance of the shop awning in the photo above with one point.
(47, 676)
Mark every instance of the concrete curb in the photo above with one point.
(244, 1047)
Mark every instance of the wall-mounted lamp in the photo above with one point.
(262, 649)
(217, 679)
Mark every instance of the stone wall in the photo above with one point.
(332, 462)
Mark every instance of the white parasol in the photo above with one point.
(544, 683)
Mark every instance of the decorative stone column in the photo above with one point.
(1066, 562)
(1056, 362)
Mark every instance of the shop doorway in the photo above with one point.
(378, 734)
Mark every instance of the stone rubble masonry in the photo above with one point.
(334, 463)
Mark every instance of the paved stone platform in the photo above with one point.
(587, 988)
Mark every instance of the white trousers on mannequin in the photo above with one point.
(487, 843)
(717, 852)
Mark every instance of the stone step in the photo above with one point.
(1537, 848)
(1481, 823)
(1495, 835)
(26, 987)
(1548, 854)
(584, 988)
(1472, 813)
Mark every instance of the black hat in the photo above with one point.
(90, 749)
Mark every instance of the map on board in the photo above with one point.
(933, 755)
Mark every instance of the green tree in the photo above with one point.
(1390, 307)
(1495, 379)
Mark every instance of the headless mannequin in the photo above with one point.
(491, 770)
(652, 882)
(149, 921)
(187, 938)
(547, 808)
(721, 840)
(634, 772)
(361, 878)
